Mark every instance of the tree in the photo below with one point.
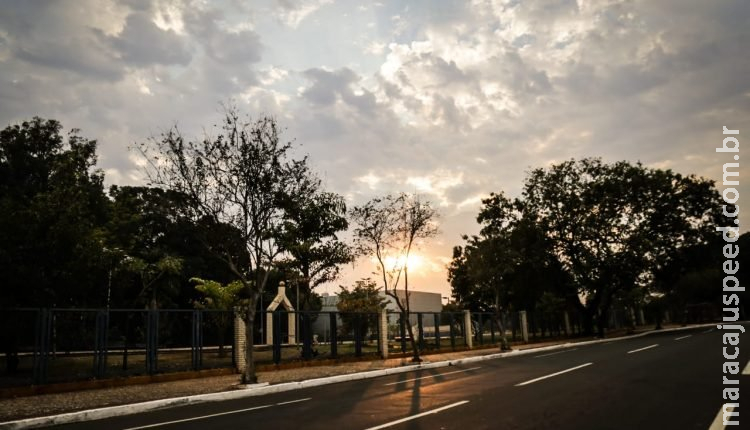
(236, 181)
(388, 229)
(613, 226)
(479, 271)
(52, 212)
(364, 298)
(309, 238)
(221, 298)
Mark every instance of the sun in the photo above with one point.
(415, 262)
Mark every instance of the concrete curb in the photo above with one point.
(265, 388)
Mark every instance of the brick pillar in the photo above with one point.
(567, 323)
(239, 341)
(524, 325)
(468, 329)
(383, 321)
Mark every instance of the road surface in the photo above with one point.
(668, 380)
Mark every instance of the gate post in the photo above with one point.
(383, 323)
(468, 329)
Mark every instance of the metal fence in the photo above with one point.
(41, 346)
(58, 345)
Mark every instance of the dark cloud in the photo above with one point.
(142, 43)
(329, 86)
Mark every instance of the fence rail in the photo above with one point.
(41, 346)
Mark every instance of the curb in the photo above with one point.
(265, 388)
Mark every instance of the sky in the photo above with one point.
(450, 100)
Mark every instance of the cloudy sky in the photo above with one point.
(452, 100)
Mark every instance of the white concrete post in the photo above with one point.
(239, 341)
(567, 323)
(468, 329)
(383, 321)
(292, 335)
(524, 325)
(269, 328)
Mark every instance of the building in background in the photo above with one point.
(419, 301)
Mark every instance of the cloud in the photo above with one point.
(453, 100)
(293, 12)
(143, 43)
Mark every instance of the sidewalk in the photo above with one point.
(52, 404)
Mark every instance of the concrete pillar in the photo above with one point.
(468, 329)
(632, 316)
(292, 335)
(524, 325)
(239, 341)
(566, 317)
(641, 317)
(269, 328)
(383, 321)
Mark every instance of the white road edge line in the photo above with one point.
(746, 370)
(553, 374)
(718, 423)
(413, 417)
(555, 353)
(644, 348)
(683, 337)
(431, 376)
(217, 415)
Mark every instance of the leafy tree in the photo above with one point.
(52, 211)
(613, 226)
(219, 297)
(363, 298)
(388, 229)
(479, 271)
(309, 237)
(237, 181)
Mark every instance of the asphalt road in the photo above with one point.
(669, 380)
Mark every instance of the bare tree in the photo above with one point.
(388, 229)
(235, 183)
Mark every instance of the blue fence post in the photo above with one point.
(403, 332)
(452, 323)
(436, 318)
(196, 346)
(357, 335)
(306, 336)
(480, 331)
(276, 317)
(334, 335)
(152, 340)
(420, 327)
(41, 345)
(100, 343)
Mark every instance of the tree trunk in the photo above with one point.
(412, 340)
(499, 320)
(504, 346)
(601, 322)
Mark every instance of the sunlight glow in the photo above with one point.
(415, 262)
